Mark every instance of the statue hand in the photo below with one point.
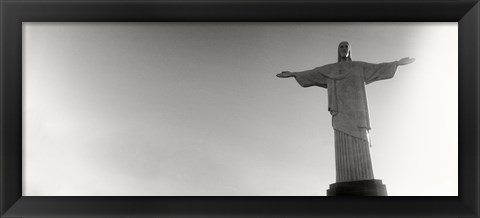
(405, 61)
(285, 74)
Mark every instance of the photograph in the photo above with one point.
(240, 109)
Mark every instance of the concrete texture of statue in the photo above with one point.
(347, 103)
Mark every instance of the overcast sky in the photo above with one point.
(196, 109)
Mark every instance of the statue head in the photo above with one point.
(344, 51)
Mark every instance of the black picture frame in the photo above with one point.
(14, 12)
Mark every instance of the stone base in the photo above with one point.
(372, 187)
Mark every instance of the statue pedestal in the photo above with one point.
(372, 187)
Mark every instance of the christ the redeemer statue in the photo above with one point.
(347, 103)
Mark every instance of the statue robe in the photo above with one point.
(347, 99)
(347, 102)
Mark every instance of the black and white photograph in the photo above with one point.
(240, 109)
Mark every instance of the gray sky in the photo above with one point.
(196, 109)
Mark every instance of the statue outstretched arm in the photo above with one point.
(376, 72)
(285, 74)
(308, 78)
(404, 61)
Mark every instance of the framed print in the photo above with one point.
(196, 108)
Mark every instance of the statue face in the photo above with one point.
(344, 49)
